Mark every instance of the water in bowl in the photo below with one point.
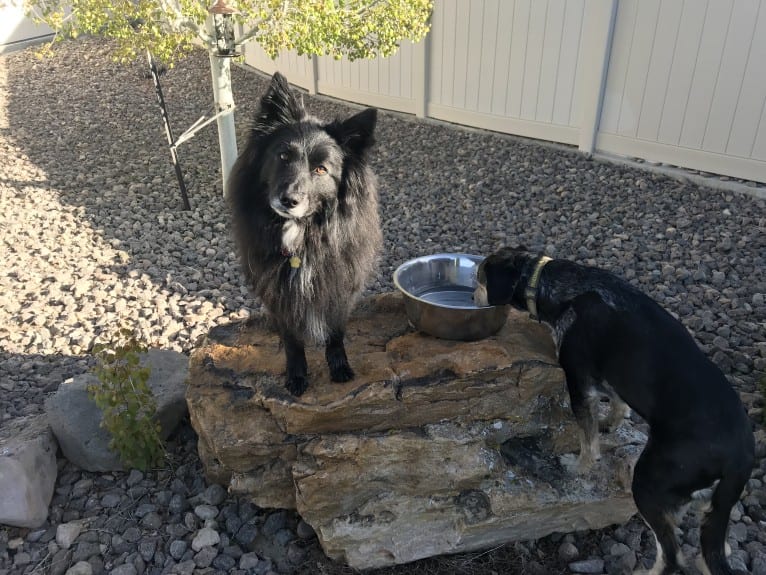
(450, 296)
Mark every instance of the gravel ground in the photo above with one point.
(93, 237)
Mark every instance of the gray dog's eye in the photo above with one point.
(284, 156)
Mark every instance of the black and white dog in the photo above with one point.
(304, 203)
(613, 339)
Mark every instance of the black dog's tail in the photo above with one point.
(716, 521)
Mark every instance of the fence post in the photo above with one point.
(313, 75)
(600, 16)
(420, 64)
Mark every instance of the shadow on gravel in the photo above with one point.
(27, 379)
(93, 127)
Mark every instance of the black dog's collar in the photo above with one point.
(530, 292)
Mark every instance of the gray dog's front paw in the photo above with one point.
(297, 385)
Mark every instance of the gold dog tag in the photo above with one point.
(295, 262)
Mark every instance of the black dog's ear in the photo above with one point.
(356, 133)
(279, 105)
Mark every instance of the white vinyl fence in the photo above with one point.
(687, 85)
(681, 82)
(16, 30)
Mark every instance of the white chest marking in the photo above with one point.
(292, 235)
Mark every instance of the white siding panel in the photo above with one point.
(752, 99)
(345, 73)
(474, 55)
(686, 85)
(382, 82)
(680, 156)
(500, 79)
(593, 62)
(384, 76)
(16, 28)
(504, 58)
(645, 25)
(297, 69)
(759, 146)
(460, 68)
(533, 59)
(435, 64)
(489, 55)
(663, 52)
(729, 83)
(618, 65)
(407, 81)
(388, 76)
(375, 86)
(575, 95)
(506, 124)
(549, 68)
(327, 74)
(706, 72)
(448, 52)
(516, 77)
(679, 85)
(354, 74)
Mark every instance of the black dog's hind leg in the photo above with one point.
(657, 499)
(716, 520)
(618, 411)
(584, 400)
(296, 366)
(337, 361)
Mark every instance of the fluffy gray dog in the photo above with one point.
(305, 209)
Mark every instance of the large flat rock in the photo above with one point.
(435, 447)
(393, 498)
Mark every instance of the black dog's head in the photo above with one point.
(303, 161)
(501, 277)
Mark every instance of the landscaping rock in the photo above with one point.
(67, 533)
(205, 537)
(435, 447)
(76, 420)
(27, 471)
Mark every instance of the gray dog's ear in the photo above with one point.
(356, 133)
(279, 106)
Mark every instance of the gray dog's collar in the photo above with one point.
(530, 292)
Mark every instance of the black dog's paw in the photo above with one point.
(341, 372)
(297, 384)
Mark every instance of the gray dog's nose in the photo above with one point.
(288, 201)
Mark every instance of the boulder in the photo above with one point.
(76, 420)
(435, 447)
(27, 471)
(392, 498)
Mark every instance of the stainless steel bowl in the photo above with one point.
(438, 296)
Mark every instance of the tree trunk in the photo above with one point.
(220, 69)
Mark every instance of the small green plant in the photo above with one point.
(128, 405)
